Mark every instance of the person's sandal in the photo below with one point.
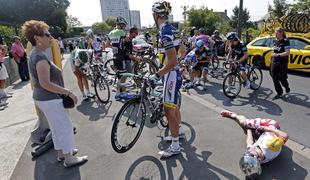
(82, 160)
(60, 159)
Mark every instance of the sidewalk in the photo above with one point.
(16, 122)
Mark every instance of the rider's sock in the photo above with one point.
(175, 142)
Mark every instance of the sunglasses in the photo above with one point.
(47, 35)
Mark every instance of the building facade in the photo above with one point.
(115, 8)
(135, 19)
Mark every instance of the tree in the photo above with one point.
(205, 18)
(245, 23)
(302, 6)
(111, 21)
(73, 21)
(53, 12)
(99, 27)
(278, 9)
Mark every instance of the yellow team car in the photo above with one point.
(260, 50)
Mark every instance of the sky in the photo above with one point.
(89, 12)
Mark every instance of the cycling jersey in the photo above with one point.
(238, 52)
(79, 57)
(202, 55)
(173, 79)
(268, 142)
(205, 39)
(116, 37)
(167, 40)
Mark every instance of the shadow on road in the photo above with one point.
(283, 167)
(48, 168)
(94, 109)
(297, 99)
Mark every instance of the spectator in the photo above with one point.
(61, 46)
(48, 85)
(3, 75)
(20, 56)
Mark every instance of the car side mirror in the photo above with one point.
(307, 47)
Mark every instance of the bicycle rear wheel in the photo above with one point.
(256, 77)
(109, 66)
(128, 125)
(102, 89)
(232, 85)
(215, 62)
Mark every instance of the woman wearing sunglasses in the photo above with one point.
(264, 142)
(48, 85)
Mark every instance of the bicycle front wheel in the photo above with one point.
(109, 66)
(128, 125)
(256, 77)
(102, 89)
(232, 85)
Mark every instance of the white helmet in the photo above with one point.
(89, 32)
(250, 165)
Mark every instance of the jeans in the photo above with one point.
(23, 69)
(279, 76)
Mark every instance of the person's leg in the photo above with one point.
(275, 71)
(283, 77)
(20, 71)
(78, 76)
(24, 68)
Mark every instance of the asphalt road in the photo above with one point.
(212, 147)
(292, 111)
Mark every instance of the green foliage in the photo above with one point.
(279, 8)
(253, 31)
(111, 21)
(100, 27)
(245, 23)
(205, 18)
(53, 12)
(73, 22)
(302, 6)
(7, 33)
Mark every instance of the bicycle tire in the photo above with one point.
(239, 83)
(153, 68)
(215, 62)
(109, 66)
(99, 82)
(258, 72)
(117, 147)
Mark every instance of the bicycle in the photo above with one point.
(132, 115)
(233, 81)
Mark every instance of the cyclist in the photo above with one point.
(238, 51)
(171, 74)
(114, 41)
(95, 44)
(203, 56)
(264, 142)
(79, 58)
(218, 41)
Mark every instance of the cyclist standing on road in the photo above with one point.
(95, 44)
(239, 52)
(264, 142)
(171, 74)
(280, 56)
(116, 43)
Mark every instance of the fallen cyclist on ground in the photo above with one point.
(264, 142)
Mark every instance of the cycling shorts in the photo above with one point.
(199, 66)
(172, 86)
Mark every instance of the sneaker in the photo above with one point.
(74, 152)
(197, 83)
(278, 96)
(90, 95)
(228, 114)
(76, 161)
(169, 152)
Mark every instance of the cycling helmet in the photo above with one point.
(232, 36)
(202, 31)
(162, 8)
(121, 20)
(250, 165)
(216, 32)
(199, 43)
(89, 32)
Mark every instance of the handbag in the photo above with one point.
(67, 101)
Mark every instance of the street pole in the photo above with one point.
(239, 27)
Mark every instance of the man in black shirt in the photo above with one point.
(279, 62)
